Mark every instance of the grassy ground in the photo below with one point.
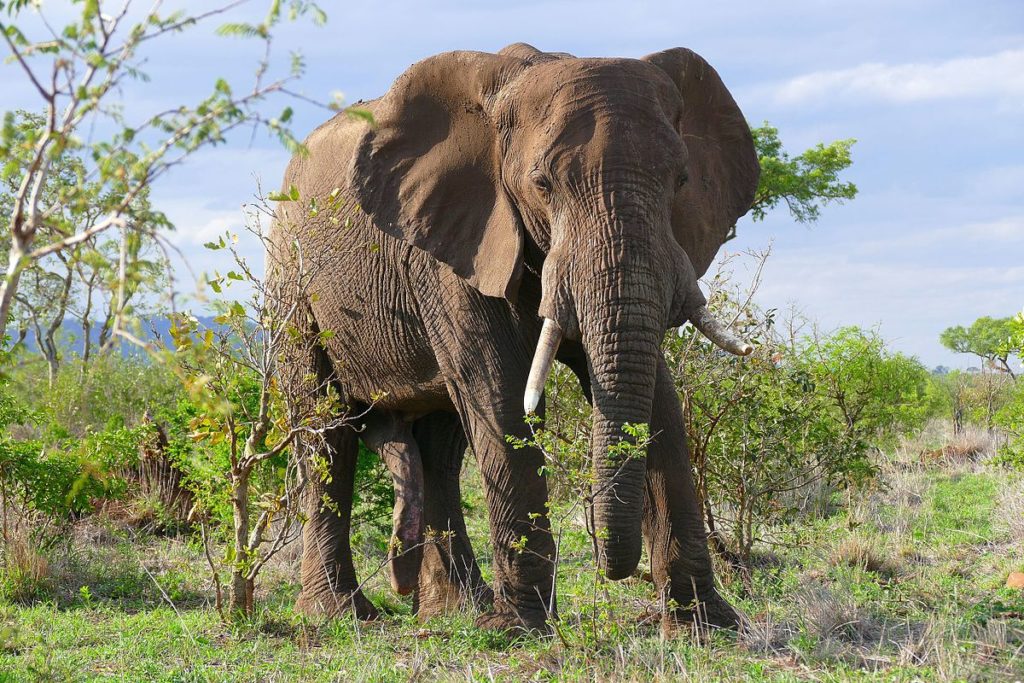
(904, 584)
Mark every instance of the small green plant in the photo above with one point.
(252, 422)
(85, 595)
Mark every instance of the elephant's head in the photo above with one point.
(618, 179)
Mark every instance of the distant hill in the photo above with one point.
(70, 337)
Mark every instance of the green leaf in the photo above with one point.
(362, 114)
(241, 30)
(90, 9)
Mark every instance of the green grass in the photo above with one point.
(959, 509)
(932, 609)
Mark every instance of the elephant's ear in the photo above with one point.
(428, 171)
(723, 165)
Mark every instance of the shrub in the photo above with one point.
(774, 434)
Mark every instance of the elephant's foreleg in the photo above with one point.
(391, 438)
(449, 575)
(484, 351)
(673, 526)
(517, 497)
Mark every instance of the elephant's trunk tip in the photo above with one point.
(544, 357)
(718, 333)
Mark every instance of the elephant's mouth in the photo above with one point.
(551, 337)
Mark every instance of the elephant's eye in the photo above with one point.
(541, 182)
(682, 178)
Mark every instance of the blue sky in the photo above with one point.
(933, 92)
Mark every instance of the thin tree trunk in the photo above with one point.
(51, 352)
(241, 589)
(87, 322)
(9, 286)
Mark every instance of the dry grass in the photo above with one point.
(1010, 509)
(26, 571)
(828, 614)
(864, 553)
(971, 445)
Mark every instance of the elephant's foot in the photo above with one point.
(332, 605)
(709, 612)
(515, 622)
(449, 582)
(439, 597)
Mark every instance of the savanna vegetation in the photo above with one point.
(864, 511)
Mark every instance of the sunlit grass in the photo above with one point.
(906, 586)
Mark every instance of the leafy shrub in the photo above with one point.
(772, 434)
(46, 479)
(761, 432)
(110, 391)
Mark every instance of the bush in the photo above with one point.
(773, 435)
(110, 391)
(1011, 419)
(761, 434)
(50, 475)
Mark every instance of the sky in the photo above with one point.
(933, 92)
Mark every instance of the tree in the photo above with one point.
(251, 418)
(876, 394)
(72, 280)
(1011, 416)
(990, 339)
(806, 182)
(84, 65)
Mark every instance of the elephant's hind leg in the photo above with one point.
(328, 577)
(449, 575)
(390, 436)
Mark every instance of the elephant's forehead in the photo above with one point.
(570, 84)
(596, 106)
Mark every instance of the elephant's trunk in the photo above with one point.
(623, 363)
(618, 302)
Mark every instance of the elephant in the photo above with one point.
(500, 211)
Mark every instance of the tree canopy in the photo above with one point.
(805, 182)
(990, 339)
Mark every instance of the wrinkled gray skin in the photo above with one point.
(496, 191)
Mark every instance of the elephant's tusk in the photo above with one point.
(718, 333)
(547, 347)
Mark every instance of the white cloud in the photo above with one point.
(195, 222)
(999, 76)
(973, 237)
